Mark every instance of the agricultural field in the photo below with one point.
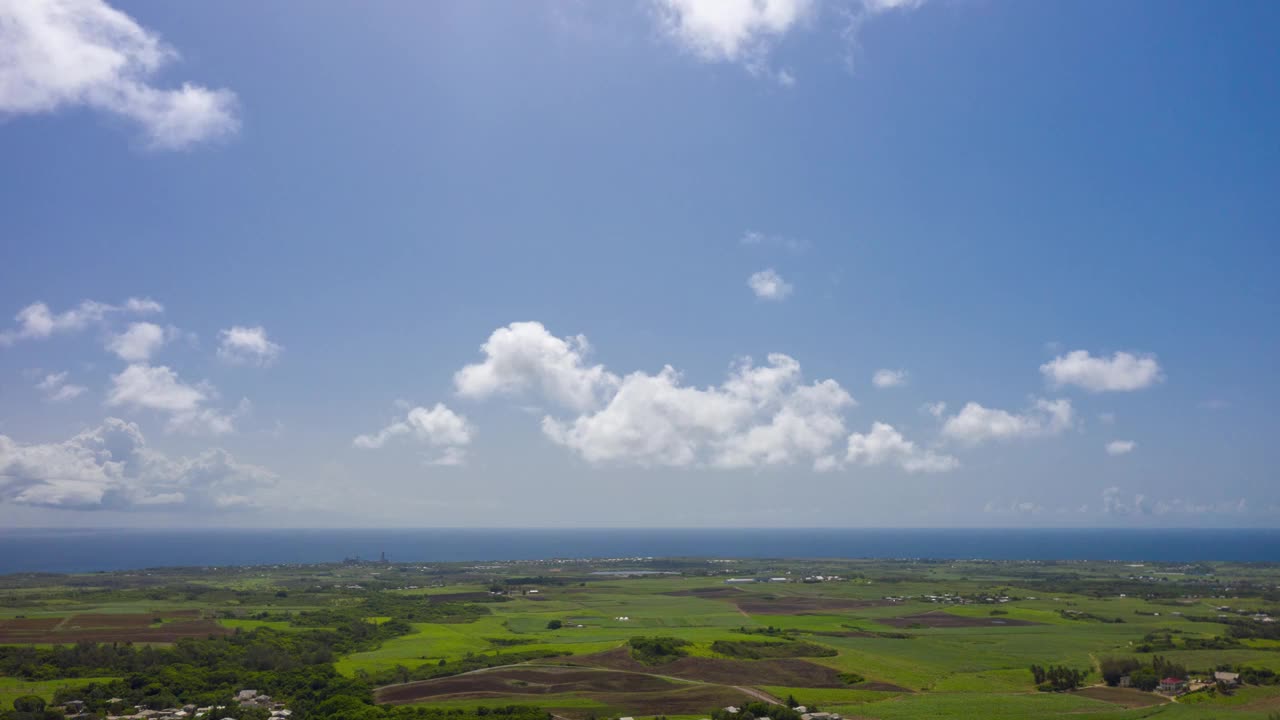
(586, 639)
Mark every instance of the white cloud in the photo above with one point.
(884, 444)
(936, 409)
(758, 416)
(738, 31)
(241, 345)
(159, 388)
(1017, 507)
(1114, 503)
(438, 427)
(57, 389)
(37, 322)
(885, 378)
(975, 424)
(857, 13)
(746, 31)
(139, 342)
(753, 238)
(524, 356)
(1120, 447)
(1122, 372)
(111, 467)
(769, 285)
(57, 54)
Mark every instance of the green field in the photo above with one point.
(891, 639)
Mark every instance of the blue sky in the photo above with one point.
(425, 265)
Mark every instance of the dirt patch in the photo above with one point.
(526, 681)
(1125, 697)
(461, 597)
(779, 605)
(624, 692)
(180, 614)
(938, 619)
(787, 672)
(29, 624)
(106, 628)
(121, 620)
(881, 687)
(689, 701)
(711, 593)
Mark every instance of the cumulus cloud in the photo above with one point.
(769, 285)
(139, 342)
(1121, 447)
(885, 378)
(1122, 372)
(736, 31)
(976, 424)
(438, 427)
(523, 356)
(241, 345)
(56, 388)
(57, 54)
(761, 415)
(159, 388)
(111, 467)
(884, 444)
(936, 409)
(37, 321)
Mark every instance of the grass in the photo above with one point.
(12, 688)
(954, 672)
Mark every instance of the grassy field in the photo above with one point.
(912, 639)
(12, 688)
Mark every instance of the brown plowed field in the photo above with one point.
(135, 627)
(131, 620)
(1128, 697)
(939, 619)
(769, 605)
(881, 687)
(690, 701)
(525, 681)
(30, 624)
(460, 597)
(788, 672)
(626, 692)
(712, 593)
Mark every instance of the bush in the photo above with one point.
(657, 650)
(29, 704)
(758, 650)
(555, 625)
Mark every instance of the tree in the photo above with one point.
(1145, 679)
(555, 625)
(29, 704)
(1114, 668)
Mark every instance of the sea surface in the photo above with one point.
(88, 550)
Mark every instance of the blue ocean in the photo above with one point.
(88, 550)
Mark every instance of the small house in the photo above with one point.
(1173, 685)
(1229, 679)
